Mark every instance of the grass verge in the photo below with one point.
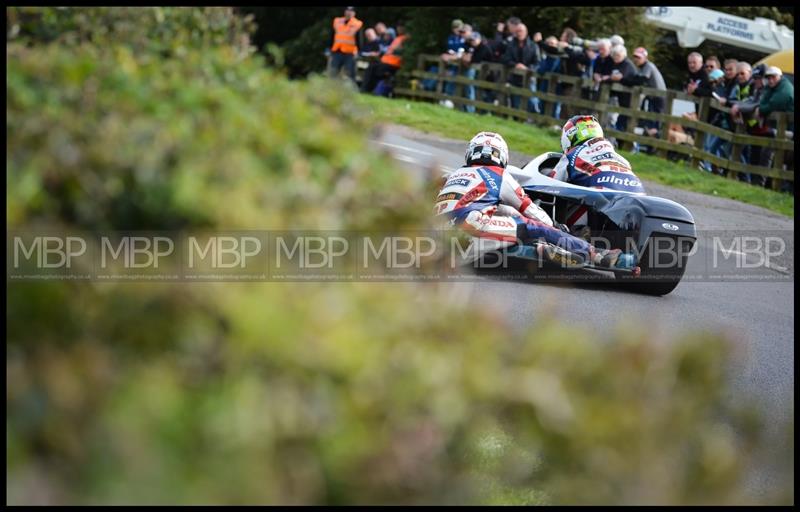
(432, 118)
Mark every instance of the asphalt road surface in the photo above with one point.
(756, 312)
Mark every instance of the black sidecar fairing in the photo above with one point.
(619, 216)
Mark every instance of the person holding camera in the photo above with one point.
(345, 49)
(503, 36)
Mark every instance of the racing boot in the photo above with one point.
(614, 258)
(560, 256)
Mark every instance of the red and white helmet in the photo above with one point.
(487, 148)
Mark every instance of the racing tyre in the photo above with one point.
(662, 264)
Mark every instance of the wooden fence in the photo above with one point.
(782, 168)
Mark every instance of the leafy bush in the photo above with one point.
(160, 30)
(312, 392)
(107, 138)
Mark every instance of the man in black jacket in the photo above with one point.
(602, 66)
(697, 82)
(503, 36)
(623, 72)
(521, 54)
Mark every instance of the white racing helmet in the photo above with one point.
(487, 148)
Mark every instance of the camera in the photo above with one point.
(585, 43)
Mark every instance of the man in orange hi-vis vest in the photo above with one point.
(391, 61)
(344, 49)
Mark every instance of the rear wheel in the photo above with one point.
(662, 264)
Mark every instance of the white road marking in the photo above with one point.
(405, 158)
(725, 252)
(404, 148)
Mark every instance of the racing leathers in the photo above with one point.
(487, 202)
(594, 163)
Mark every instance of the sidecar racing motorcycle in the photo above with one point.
(659, 232)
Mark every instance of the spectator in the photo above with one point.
(712, 63)
(604, 62)
(573, 55)
(466, 32)
(648, 75)
(372, 46)
(744, 111)
(385, 36)
(624, 72)
(503, 36)
(455, 41)
(551, 55)
(344, 47)
(725, 94)
(574, 62)
(716, 80)
(750, 92)
(743, 89)
(778, 97)
(589, 65)
(730, 80)
(591, 56)
(697, 80)
(712, 144)
(550, 63)
(390, 62)
(616, 40)
(522, 54)
(456, 47)
(567, 35)
(479, 51)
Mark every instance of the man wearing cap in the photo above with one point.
(648, 75)
(344, 47)
(455, 48)
(455, 41)
(779, 94)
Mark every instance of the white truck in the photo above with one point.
(693, 25)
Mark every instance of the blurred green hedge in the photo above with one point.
(164, 31)
(307, 392)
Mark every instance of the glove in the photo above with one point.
(534, 211)
(562, 227)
